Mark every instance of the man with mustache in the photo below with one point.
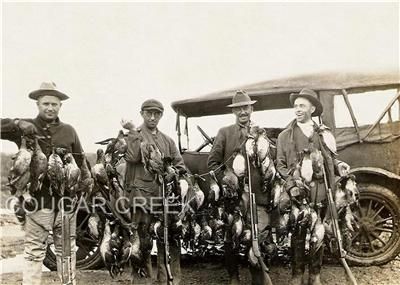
(304, 134)
(144, 186)
(229, 140)
(46, 217)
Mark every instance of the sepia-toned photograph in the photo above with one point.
(200, 143)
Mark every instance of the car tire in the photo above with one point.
(377, 238)
(87, 257)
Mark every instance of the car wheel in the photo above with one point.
(376, 240)
(88, 247)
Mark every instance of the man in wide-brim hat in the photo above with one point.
(301, 137)
(42, 207)
(229, 140)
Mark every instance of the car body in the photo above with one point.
(368, 144)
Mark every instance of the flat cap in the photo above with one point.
(152, 104)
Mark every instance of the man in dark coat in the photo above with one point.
(46, 217)
(144, 186)
(229, 140)
(303, 136)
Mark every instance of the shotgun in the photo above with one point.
(167, 260)
(66, 259)
(254, 227)
(333, 212)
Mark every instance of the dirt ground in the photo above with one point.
(210, 273)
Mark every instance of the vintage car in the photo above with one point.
(363, 112)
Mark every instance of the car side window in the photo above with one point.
(367, 107)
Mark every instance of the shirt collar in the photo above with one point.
(144, 127)
(307, 124)
(42, 123)
(249, 125)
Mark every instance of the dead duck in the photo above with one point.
(98, 170)
(56, 173)
(20, 168)
(38, 168)
(72, 174)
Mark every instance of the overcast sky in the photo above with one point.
(109, 57)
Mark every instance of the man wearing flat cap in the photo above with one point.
(306, 188)
(231, 139)
(144, 185)
(51, 133)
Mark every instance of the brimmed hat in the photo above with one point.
(312, 97)
(241, 98)
(47, 88)
(152, 104)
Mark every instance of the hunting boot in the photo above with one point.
(232, 263)
(314, 279)
(298, 260)
(32, 272)
(315, 267)
(259, 277)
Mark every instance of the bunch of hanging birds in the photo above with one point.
(121, 246)
(31, 166)
(346, 200)
(109, 170)
(187, 197)
(259, 149)
(300, 214)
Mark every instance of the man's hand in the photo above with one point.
(128, 125)
(27, 128)
(343, 168)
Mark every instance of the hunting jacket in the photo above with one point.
(137, 180)
(290, 142)
(57, 134)
(229, 140)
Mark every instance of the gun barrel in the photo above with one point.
(66, 268)
(166, 243)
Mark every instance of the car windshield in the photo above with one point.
(211, 124)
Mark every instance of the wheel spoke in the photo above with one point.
(370, 241)
(355, 236)
(383, 220)
(360, 211)
(83, 221)
(369, 208)
(384, 229)
(378, 238)
(377, 212)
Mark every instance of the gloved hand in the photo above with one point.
(27, 128)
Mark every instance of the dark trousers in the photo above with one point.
(232, 254)
(299, 258)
